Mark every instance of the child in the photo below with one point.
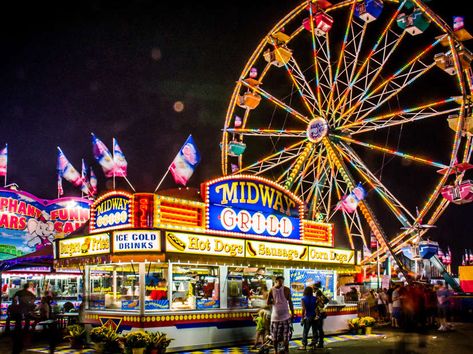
(260, 327)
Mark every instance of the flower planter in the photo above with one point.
(138, 350)
(368, 330)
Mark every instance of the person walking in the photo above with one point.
(320, 316)
(26, 298)
(308, 321)
(282, 314)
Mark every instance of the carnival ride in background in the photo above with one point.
(318, 99)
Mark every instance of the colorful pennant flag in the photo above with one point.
(60, 190)
(349, 202)
(4, 161)
(66, 170)
(120, 163)
(93, 183)
(103, 156)
(85, 188)
(185, 162)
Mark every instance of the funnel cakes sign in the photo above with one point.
(251, 205)
(28, 223)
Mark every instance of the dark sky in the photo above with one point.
(116, 68)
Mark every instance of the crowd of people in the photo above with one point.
(414, 306)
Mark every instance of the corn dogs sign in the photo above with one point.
(250, 205)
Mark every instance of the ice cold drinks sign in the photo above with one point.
(136, 241)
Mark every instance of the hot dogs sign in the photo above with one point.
(251, 205)
(28, 223)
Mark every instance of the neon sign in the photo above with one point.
(252, 205)
(28, 223)
(111, 211)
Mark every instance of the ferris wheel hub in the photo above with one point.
(317, 129)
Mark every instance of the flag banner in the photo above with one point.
(373, 242)
(103, 156)
(234, 167)
(458, 22)
(66, 170)
(119, 161)
(185, 162)
(366, 251)
(3, 161)
(93, 183)
(60, 190)
(85, 183)
(349, 202)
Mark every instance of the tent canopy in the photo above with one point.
(39, 258)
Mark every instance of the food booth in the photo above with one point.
(28, 227)
(198, 267)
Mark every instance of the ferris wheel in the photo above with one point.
(356, 106)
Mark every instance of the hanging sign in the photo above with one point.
(273, 250)
(90, 245)
(28, 223)
(331, 255)
(250, 205)
(111, 211)
(208, 245)
(136, 241)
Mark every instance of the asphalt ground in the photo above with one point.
(385, 341)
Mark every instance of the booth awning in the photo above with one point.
(40, 258)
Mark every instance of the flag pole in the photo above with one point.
(129, 183)
(6, 167)
(162, 179)
(113, 158)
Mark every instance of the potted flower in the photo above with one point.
(158, 342)
(77, 336)
(367, 323)
(354, 325)
(106, 340)
(137, 341)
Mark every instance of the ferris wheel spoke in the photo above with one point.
(296, 166)
(303, 87)
(276, 102)
(280, 157)
(399, 210)
(385, 150)
(403, 77)
(385, 39)
(280, 133)
(351, 58)
(321, 199)
(403, 116)
(334, 88)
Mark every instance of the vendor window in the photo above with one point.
(114, 287)
(249, 287)
(194, 287)
(156, 292)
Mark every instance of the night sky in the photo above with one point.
(116, 68)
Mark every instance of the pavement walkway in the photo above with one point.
(384, 340)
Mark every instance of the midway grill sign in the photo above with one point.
(111, 211)
(28, 223)
(251, 205)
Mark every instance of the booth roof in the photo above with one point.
(40, 258)
(187, 193)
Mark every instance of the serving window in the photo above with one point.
(194, 287)
(114, 287)
(156, 291)
(249, 287)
